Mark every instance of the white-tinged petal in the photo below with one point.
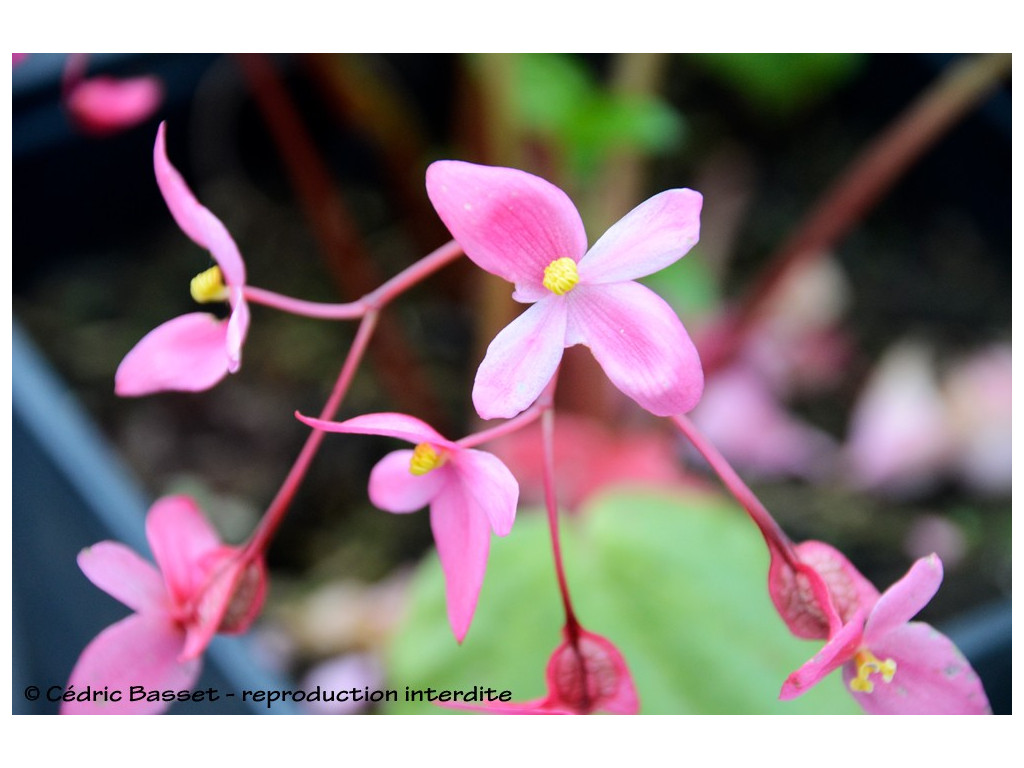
(656, 233)
(640, 343)
(124, 575)
(508, 222)
(521, 360)
(394, 488)
(491, 485)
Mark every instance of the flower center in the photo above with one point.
(209, 286)
(560, 276)
(867, 665)
(425, 459)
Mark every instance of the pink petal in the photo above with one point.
(639, 342)
(463, 539)
(395, 489)
(521, 360)
(180, 537)
(653, 235)
(186, 354)
(106, 104)
(904, 599)
(491, 485)
(932, 676)
(205, 229)
(387, 424)
(836, 652)
(123, 575)
(509, 222)
(238, 329)
(141, 650)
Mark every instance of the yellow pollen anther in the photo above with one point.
(425, 459)
(560, 276)
(867, 665)
(209, 286)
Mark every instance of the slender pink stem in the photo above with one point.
(320, 310)
(762, 518)
(376, 299)
(572, 626)
(528, 416)
(279, 506)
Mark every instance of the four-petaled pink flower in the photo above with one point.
(470, 493)
(202, 587)
(194, 351)
(890, 664)
(588, 676)
(527, 231)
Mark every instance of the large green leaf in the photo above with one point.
(676, 581)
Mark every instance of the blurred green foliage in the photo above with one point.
(560, 98)
(676, 580)
(779, 85)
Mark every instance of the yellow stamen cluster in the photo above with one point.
(209, 286)
(425, 459)
(561, 276)
(867, 665)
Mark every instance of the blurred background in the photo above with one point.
(850, 297)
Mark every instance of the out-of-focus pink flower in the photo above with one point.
(527, 231)
(890, 664)
(194, 351)
(359, 672)
(899, 438)
(589, 457)
(587, 676)
(979, 400)
(199, 588)
(103, 105)
(17, 58)
(741, 415)
(470, 493)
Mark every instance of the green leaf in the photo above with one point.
(676, 581)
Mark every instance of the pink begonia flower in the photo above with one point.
(195, 351)
(103, 105)
(199, 588)
(470, 493)
(527, 231)
(594, 679)
(890, 664)
(900, 441)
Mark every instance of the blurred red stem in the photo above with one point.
(961, 87)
